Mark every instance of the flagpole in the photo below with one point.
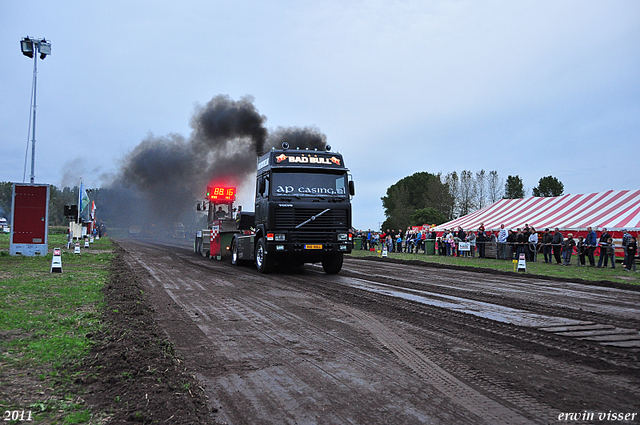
(79, 200)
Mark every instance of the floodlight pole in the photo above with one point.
(32, 47)
(33, 134)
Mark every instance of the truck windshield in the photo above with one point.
(316, 185)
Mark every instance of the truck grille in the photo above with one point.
(289, 218)
(312, 237)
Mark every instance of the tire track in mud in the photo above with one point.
(516, 345)
(571, 300)
(357, 308)
(581, 348)
(447, 384)
(460, 393)
(298, 338)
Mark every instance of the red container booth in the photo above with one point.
(29, 219)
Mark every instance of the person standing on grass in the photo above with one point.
(471, 237)
(533, 244)
(547, 237)
(631, 250)
(591, 242)
(569, 243)
(503, 234)
(626, 238)
(521, 243)
(442, 247)
(604, 237)
(581, 251)
(462, 236)
(611, 253)
(481, 239)
(556, 243)
(512, 239)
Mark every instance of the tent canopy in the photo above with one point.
(613, 209)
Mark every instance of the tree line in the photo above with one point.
(426, 198)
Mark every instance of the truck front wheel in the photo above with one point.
(264, 263)
(332, 262)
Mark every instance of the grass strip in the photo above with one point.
(47, 322)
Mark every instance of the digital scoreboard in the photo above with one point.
(218, 193)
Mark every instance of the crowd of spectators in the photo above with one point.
(508, 244)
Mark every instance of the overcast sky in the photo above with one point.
(528, 88)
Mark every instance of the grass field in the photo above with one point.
(47, 321)
(533, 268)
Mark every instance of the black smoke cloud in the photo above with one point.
(307, 137)
(162, 178)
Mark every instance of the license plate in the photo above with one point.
(313, 247)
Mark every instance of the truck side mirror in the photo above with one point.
(198, 206)
(352, 188)
(261, 187)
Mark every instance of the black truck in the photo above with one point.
(302, 212)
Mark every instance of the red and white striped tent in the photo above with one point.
(613, 209)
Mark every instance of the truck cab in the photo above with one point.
(302, 211)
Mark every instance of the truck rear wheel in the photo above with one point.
(264, 263)
(234, 253)
(332, 262)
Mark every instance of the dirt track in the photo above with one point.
(393, 343)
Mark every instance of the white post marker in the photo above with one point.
(97, 237)
(91, 239)
(56, 262)
(86, 243)
(522, 263)
(385, 253)
(77, 248)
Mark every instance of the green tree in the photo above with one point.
(418, 191)
(514, 188)
(549, 186)
(6, 189)
(57, 200)
(427, 216)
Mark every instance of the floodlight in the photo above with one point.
(26, 44)
(44, 48)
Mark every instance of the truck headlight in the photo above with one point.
(342, 237)
(280, 237)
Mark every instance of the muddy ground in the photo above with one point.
(194, 341)
(385, 342)
(133, 373)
